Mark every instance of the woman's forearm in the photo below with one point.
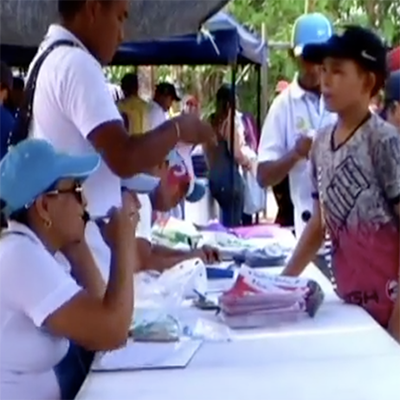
(84, 268)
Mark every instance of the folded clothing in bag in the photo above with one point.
(257, 295)
(259, 258)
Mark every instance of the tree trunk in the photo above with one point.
(24, 22)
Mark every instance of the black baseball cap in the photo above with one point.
(6, 76)
(167, 89)
(356, 43)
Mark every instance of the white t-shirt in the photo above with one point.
(293, 113)
(72, 99)
(157, 115)
(32, 287)
(143, 231)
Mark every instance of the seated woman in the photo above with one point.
(42, 307)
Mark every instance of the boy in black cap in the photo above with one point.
(391, 108)
(355, 168)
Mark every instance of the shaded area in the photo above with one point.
(24, 22)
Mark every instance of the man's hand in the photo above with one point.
(194, 130)
(303, 146)
(208, 254)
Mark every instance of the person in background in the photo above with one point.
(6, 117)
(42, 304)
(154, 257)
(391, 106)
(16, 97)
(285, 216)
(133, 107)
(164, 96)
(292, 120)
(393, 59)
(221, 165)
(191, 106)
(355, 169)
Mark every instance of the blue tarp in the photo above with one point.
(221, 48)
(222, 41)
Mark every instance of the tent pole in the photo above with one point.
(259, 123)
(232, 125)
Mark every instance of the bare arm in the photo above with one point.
(308, 245)
(271, 173)
(128, 155)
(394, 323)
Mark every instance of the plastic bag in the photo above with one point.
(159, 298)
(255, 197)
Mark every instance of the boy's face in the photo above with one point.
(343, 84)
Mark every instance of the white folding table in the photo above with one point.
(341, 354)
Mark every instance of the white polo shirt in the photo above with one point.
(32, 287)
(292, 113)
(72, 98)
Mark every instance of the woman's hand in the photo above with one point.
(121, 228)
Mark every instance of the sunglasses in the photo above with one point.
(75, 190)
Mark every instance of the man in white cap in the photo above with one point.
(294, 116)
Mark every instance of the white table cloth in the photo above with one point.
(341, 354)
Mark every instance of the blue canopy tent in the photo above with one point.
(221, 41)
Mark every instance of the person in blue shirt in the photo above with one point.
(16, 95)
(391, 108)
(6, 118)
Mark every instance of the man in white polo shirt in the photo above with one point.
(73, 108)
(292, 120)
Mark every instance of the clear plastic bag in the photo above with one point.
(159, 301)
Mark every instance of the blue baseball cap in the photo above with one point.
(32, 167)
(392, 92)
(310, 29)
(392, 87)
(141, 183)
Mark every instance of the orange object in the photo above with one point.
(281, 86)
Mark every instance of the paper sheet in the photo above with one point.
(139, 356)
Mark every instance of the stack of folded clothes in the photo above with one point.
(257, 299)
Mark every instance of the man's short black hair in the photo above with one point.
(68, 9)
(130, 84)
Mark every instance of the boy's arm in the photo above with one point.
(308, 245)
